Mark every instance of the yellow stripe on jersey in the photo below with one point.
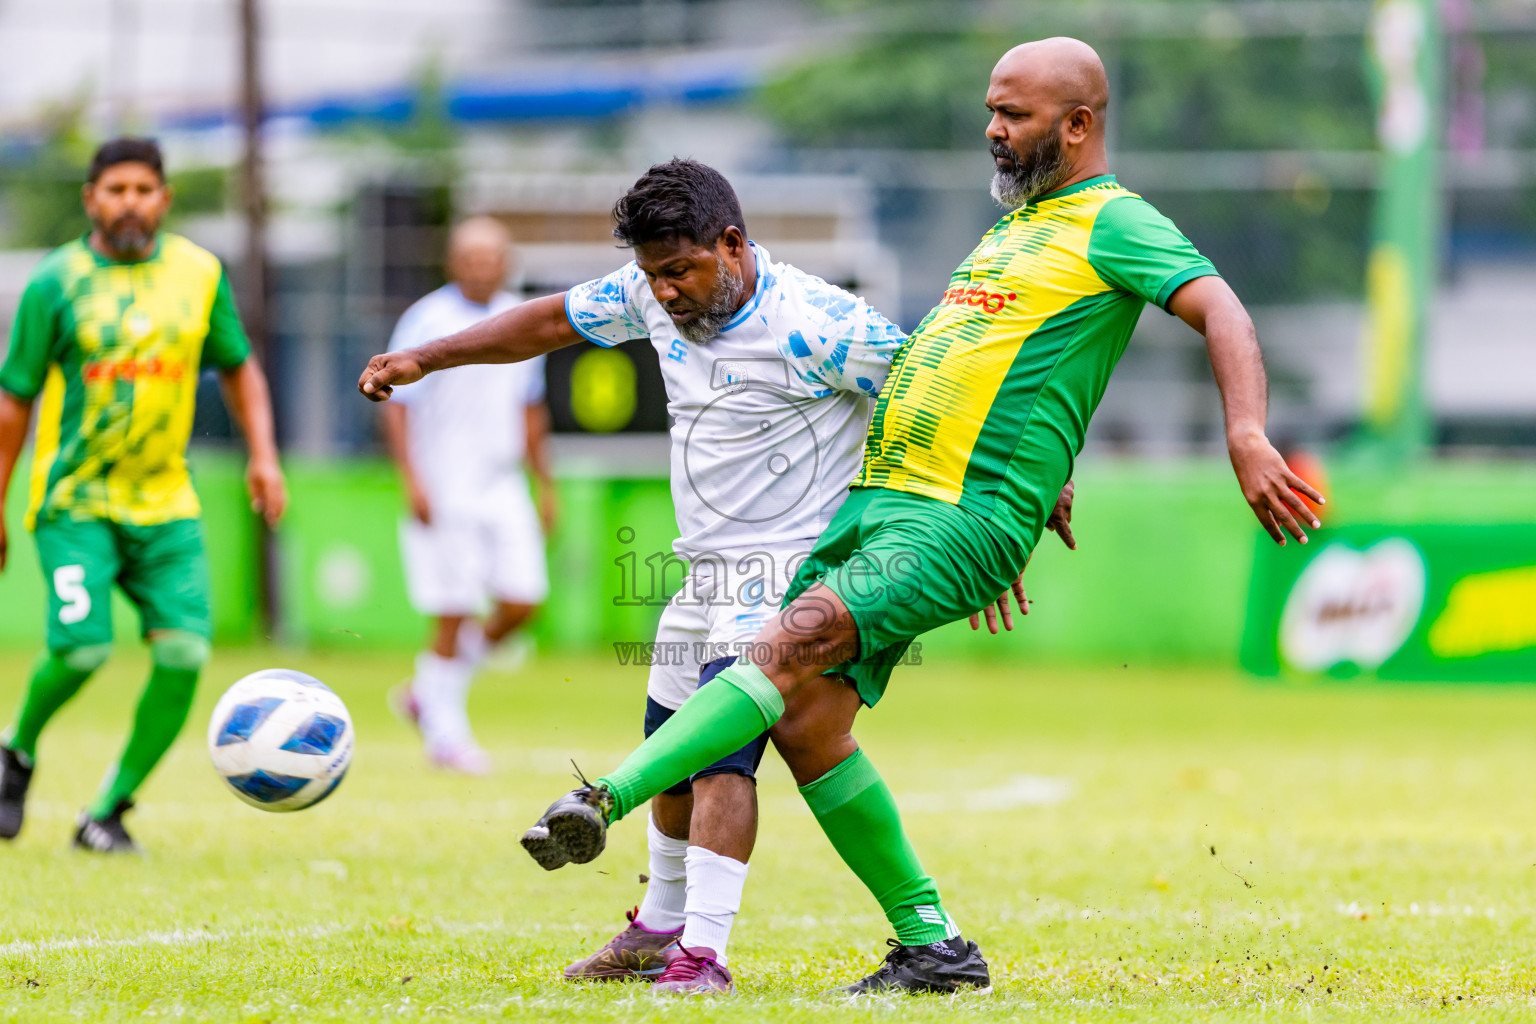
(1027, 269)
(987, 404)
(45, 443)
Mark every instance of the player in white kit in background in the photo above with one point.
(771, 375)
(471, 541)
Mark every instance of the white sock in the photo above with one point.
(666, 893)
(441, 687)
(471, 644)
(714, 899)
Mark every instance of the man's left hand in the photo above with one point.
(1271, 489)
(269, 492)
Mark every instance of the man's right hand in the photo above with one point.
(421, 507)
(386, 370)
(1060, 522)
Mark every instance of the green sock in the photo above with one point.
(738, 706)
(855, 809)
(162, 711)
(56, 677)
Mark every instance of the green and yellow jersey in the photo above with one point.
(987, 404)
(115, 350)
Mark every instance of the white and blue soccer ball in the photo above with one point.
(282, 740)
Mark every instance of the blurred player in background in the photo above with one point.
(472, 538)
(113, 331)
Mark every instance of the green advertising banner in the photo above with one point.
(1404, 46)
(1454, 603)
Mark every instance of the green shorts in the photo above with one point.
(163, 569)
(905, 564)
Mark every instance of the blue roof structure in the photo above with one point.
(578, 92)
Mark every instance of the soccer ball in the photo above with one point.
(281, 740)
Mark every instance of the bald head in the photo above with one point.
(1061, 71)
(1047, 130)
(478, 254)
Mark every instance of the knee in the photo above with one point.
(179, 649)
(727, 786)
(672, 813)
(796, 734)
(87, 658)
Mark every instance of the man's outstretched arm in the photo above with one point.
(1209, 306)
(522, 332)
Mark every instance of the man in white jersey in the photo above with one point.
(770, 375)
(472, 538)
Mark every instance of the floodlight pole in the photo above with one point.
(255, 284)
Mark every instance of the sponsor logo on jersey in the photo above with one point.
(132, 368)
(975, 295)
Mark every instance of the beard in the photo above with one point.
(129, 235)
(1032, 174)
(723, 302)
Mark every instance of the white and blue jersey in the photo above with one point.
(769, 416)
(768, 423)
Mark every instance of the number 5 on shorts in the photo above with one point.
(69, 584)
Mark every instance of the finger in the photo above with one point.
(1006, 611)
(376, 389)
(991, 613)
(975, 621)
(1297, 483)
(1287, 521)
(367, 375)
(1268, 522)
(1020, 598)
(1293, 499)
(1064, 531)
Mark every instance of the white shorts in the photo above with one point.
(713, 615)
(466, 559)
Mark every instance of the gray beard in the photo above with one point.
(129, 239)
(1038, 172)
(722, 306)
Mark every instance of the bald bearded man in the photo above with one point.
(973, 438)
(471, 541)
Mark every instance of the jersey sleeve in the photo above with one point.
(851, 350)
(226, 346)
(32, 339)
(607, 311)
(1136, 249)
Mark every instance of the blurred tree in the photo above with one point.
(40, 180)
(922, 85)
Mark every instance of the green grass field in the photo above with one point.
(1125, 844)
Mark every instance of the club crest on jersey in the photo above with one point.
(735, 375)
(137, 324)
(975, 295)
